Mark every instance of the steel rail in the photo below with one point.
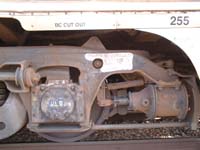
(156, 144)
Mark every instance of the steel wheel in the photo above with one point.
(98, 117)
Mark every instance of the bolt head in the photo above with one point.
(97, 63)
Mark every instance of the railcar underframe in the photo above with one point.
(68, 91)
(65, 84)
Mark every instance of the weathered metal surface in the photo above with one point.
(57, 101)
(18, 76)
(170, 102)
(181, 26)
(152, 100)
(48, 113)
(98, 116)
(124, 85)
(155, 102)
(13, 116)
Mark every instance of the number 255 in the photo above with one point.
(179, 20)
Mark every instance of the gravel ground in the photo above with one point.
(136, 134)
(144, 134)
(25, 136)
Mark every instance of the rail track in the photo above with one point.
(156, 144)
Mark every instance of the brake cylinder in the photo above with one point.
(160, 102)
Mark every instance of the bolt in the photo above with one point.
(31, 77)
(97, 63)
(145, 102)
(36, 78)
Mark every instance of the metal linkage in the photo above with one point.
(124, 85)
(20, 78)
